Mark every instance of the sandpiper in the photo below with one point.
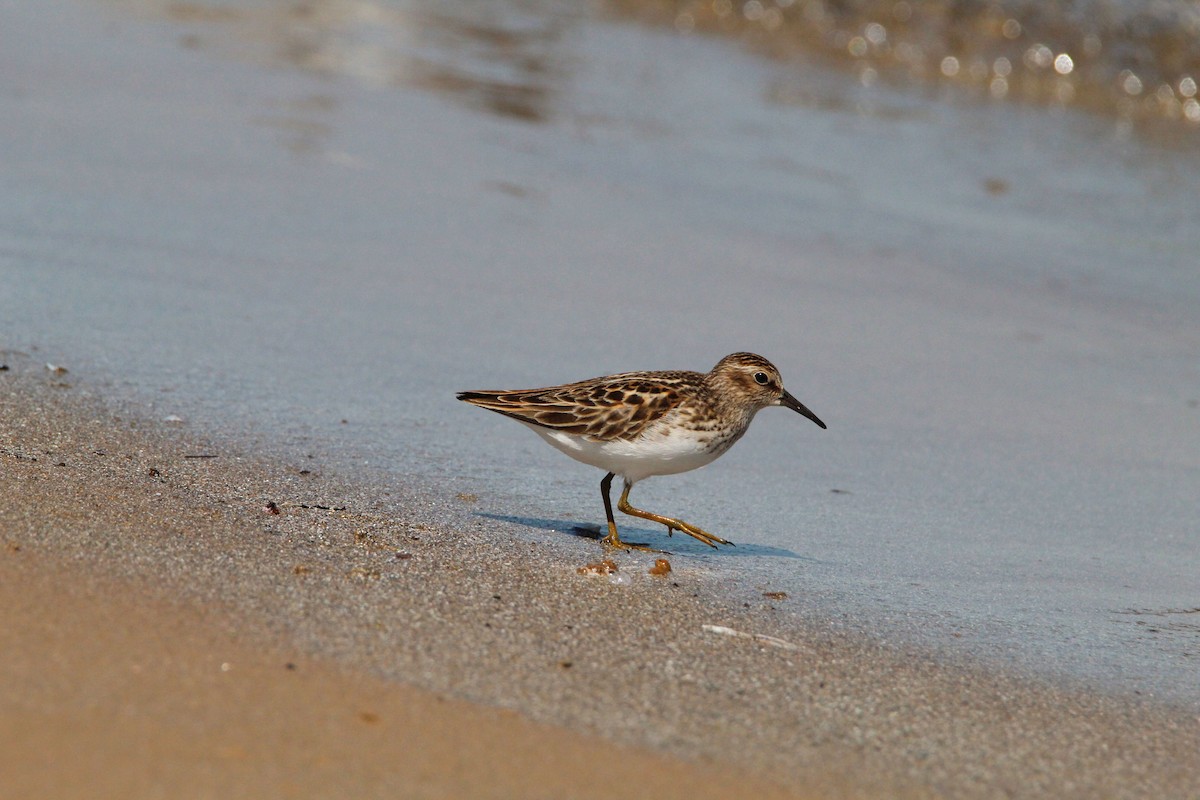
(639, 424)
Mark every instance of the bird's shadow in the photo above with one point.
(653, 537)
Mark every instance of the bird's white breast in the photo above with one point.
(662, 449)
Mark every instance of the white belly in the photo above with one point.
(661, 450)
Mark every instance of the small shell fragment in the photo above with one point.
(605, 567)
(760, 638)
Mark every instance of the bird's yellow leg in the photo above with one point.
(613, 539)
(671, 523)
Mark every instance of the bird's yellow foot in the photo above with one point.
(671, 523)
(614, 540)
(691, 530)
(617, 542)
(712, 540)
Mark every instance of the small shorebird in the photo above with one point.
(639, 424)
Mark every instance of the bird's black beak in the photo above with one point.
(796, 405)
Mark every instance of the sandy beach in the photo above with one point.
(112, 691)
(176, 638)
(250, 544)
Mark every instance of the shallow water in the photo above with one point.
(307, 225)
(1125, 58)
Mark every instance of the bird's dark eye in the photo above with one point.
(761, 378)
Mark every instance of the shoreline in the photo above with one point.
(381, 593)
(1012, 401)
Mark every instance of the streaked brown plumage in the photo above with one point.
(639, 424)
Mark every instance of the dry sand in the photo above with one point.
(111, 691)
(166, 636)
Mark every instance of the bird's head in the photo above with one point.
(756, 382)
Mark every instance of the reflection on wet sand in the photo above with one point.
(503, 58)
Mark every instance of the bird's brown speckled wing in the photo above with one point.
(603, 409)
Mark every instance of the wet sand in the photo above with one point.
(154, 606)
